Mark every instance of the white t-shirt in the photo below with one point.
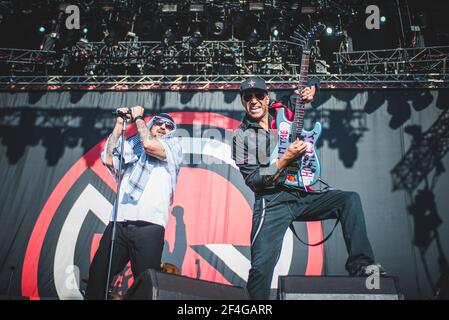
(154, 203)
(157, 188)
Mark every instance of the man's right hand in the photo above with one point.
(296, 149)
(125, 110)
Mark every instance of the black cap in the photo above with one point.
(253, 83)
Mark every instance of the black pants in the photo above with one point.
(141, 242)
(271, 219)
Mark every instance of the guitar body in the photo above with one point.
(308, 169)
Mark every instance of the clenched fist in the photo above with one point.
(137, 111)
(125, 111)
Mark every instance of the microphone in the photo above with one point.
(118, 113)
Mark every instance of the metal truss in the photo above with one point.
(423, 156)
(416, 60)
(25, 60)
(218, 82)
(155, 57)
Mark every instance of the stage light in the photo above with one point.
(253, 36)
(383, 19)
(294, 6)
(85, 30)
(169, 37)
(218, 28)
(256, 6)
(168, 7)
(198, 7)
(131, 37)
(275, 32)
(41, 29)
(308, 9)
(49, 41)
(329, 31)
(107, 7)
(196, 39)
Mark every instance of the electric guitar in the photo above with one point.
(304, 171)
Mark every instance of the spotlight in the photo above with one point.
(196, 7)
(41, 29)
(256, 6)
(294, 6)
(169, 37)
(308, 9)
(196, 39)
(107, 7)
(253, 36)
(85, 30)
(131, 37)
(168, 7)
(329, 31)
(49, 41)
(275, 33)
(218, 28)
(383, 19)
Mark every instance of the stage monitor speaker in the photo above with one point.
(155, 285)
(337, 288)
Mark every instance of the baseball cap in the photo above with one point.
(253, 83)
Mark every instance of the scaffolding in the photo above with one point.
(400, 60)
(27, 61)
(219, 82)
(377, 69)
(155, 57)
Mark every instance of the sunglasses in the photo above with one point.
(168, 124)
(259, 96)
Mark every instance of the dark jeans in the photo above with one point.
(271, 219)
(141, 242)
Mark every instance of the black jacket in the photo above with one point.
(253, 151)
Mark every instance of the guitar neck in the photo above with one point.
(298, 122)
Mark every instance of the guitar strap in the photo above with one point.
(292, 227)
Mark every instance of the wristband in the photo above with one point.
(139, 117)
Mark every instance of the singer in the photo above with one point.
(151, 163)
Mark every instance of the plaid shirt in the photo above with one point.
(141, 164)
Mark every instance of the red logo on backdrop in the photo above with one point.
(201, 223)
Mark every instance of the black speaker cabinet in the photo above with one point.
(155, 285)
(338, 288)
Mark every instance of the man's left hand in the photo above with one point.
(137, 111)
(307, 94)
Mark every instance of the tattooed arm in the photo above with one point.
(113, 138)
(150, 144)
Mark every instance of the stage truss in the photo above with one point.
(219, 82)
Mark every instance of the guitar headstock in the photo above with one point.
(306, 38)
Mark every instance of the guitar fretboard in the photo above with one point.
(298, 122)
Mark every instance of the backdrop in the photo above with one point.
(56, 197)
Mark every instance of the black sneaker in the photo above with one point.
(366, 271)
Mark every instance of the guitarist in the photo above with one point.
(276, 206)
